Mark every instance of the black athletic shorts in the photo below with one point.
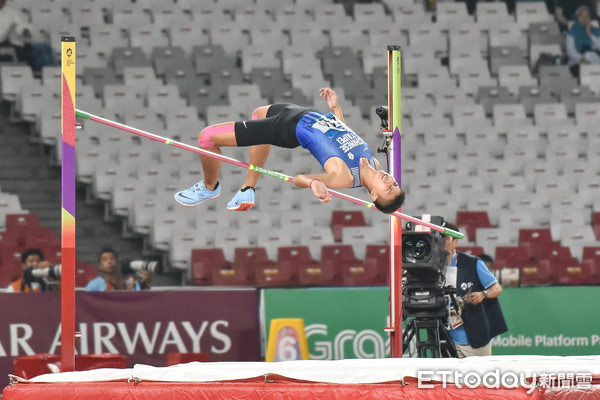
(278, 128)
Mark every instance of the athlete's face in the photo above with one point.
(384, 187)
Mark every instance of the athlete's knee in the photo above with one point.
(217, 135)
(204, 138)
(260, 112)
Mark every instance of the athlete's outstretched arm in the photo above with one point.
(319, 183)
(332, 101)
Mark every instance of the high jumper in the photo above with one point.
(346, 158)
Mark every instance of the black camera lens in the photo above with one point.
(416, 249)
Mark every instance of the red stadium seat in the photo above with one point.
(295, 259)
(546, 271)
(471, 220)
(41, 237)
(21, 227)
(340, 219)
(536, 274)
(262, 270)
(84, 273)
(473, 250)
(592, 253)
(337, 261)
(575, 274)
(537, 242)
(509, 264)
(596, 224)
(52, 253)
(21, 221)
(203, 262)
(183, 358)
(511, 257)
(10, 260)
(241, 272)
(379, 255)
(591, 259)
(373, 272)
(334, 258)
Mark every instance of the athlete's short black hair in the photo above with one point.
(393, 205)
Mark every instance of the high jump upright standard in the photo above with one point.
(394, 162)
(67, 300)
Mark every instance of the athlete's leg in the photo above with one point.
(258, 153)
(212, 138)
(243, 200)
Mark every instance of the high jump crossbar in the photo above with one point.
(139, 132)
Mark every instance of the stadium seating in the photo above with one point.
(512, 143)
(340, 219)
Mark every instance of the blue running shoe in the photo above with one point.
(197, 194)
(242, 201)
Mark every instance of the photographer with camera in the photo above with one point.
(38, 275)
(128, 275)
(481, 319)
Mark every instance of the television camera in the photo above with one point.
(427, 301)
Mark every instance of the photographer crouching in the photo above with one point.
(127, 275)
(38, 275)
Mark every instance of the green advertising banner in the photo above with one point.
(349, 322)
(556, 320)
(340, 323)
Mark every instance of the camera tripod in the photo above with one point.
(429, 337)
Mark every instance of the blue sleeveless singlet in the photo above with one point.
(325, 136)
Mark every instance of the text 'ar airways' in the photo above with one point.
(121, 338)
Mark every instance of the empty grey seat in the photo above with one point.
(338, 58)
(369, 99)
(529, 96)
(556, 78)
(166, 56)
(100, 77)
(210, 57)
(203, 96)
(544, 33)
(270, 81)
(222, 78)
(487, 96)
(187, 36)
(258, 57)
(353, 80)
(292, 95)
(505, 55)
(570, 97)
(184, 76)
(128, 57)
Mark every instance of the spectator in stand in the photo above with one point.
(583, 41)
(111, 277)
(33, 259)
(565, 11)
(15, 33)
(482, 317)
